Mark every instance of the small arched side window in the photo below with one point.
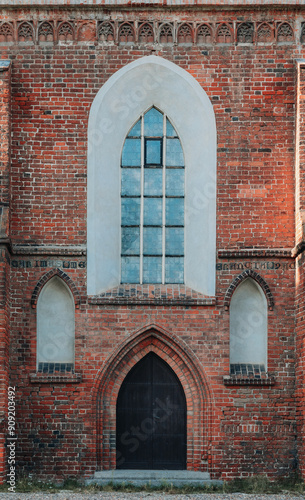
(152, 202)
(55, 328)
(248, 329)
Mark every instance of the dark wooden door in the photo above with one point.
(151, 418)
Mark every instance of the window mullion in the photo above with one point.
(163, 199)
(142, 199)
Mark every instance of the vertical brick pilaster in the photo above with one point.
(300, 267)
(300, 152)
(5, 133)
(5, 100)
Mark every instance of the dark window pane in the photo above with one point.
(174, 153)
(170, 131)
(130, 240)
(174, 182)
(153, 152)
(153, 182)
(131, 181)
(174, 270)
(136, 130)
(174, 241)
(152, 269)
(130, 270)
(152, 211)
(152, 241)
(130, 211)
(131, 156)
(153, 123)
(174, 211)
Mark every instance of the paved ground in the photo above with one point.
(66, 495)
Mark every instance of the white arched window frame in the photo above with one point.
(55, 325)
(248, 325)
(151, 81)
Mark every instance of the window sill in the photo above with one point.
(164, 295)
(55, 378)
(240, 380)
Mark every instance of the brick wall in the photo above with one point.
(242, 427)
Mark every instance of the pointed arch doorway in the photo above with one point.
(180, 359)
(151, 418)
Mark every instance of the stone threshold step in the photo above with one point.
(152, 477)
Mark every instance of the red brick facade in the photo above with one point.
(246, 59)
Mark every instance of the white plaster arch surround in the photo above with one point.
(151, 81)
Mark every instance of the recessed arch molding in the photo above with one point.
(62, 275)
(249, 273)
(185, 365)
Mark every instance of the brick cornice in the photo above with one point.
(280, 253)
(152, 3)
(228, 380)
(49, 249)
(42, 378)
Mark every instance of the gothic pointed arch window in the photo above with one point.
(55, 327)
(152, 202)
(125, 163)
(248, 328)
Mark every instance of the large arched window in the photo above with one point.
(55, 327)
(152, 202)
(248, 325)
(151, 83)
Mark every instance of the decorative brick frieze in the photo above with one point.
(150, 32)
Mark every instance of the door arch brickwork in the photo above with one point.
(183, 363)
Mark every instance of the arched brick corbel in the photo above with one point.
(249, 273)
(46, 277)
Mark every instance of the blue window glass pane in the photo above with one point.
(130, 211)
(152, 241)
(153, 123)
(152, 269)
(153, 152)
(153, 182)
(136, 130)
(174, 182)
(174, 212)
(174, 241)
(130, 270)
(131, 181)
(131, 156)
(174, 272)
(174, 153)
(130, 241)
(152, 212)
(170, 131)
